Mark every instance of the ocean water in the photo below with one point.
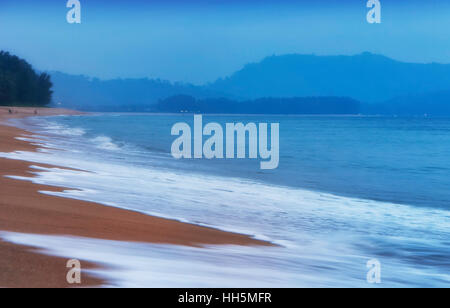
(347, 190)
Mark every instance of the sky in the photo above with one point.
(199, 41)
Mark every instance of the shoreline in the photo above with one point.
(24, 210)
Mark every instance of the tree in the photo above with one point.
(20, 84)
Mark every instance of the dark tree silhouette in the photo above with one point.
(20, 84)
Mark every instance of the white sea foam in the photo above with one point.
(326, 238)
(105, 143)
(317, 231)
(137, 265)
(64, 130)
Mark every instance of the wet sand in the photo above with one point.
(23, 209)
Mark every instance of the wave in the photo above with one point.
(64, 130)
(105, 143)
(327, 235)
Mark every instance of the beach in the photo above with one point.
(104, 189)
(24, 210)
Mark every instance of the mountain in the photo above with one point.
(92, 94)
(295, 105)
(382, 85)
(365, 77)
(436, 104)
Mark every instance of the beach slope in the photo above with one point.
(23, 209)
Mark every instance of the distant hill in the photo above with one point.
(382, 85)
(296, 105)
(365, 77)
(436, 104)
(92, 94)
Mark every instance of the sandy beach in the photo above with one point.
(23, 209)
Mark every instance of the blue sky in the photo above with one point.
(199, 41)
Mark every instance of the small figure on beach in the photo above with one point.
(9, 111)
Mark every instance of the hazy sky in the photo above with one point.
(199, 40)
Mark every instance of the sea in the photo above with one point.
(348, 191)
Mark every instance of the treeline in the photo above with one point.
(20, 85)
(296, 105)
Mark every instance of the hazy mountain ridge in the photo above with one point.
(92, 94)
(365, 77)
(382, 85)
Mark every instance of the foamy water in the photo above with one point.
(325, 239)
